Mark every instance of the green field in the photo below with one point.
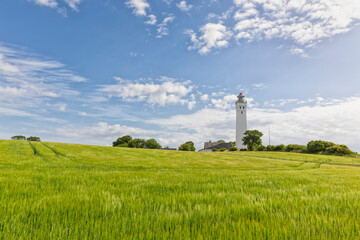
(68, 191)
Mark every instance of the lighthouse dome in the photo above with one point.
(241, 98)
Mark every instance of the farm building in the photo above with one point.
(208, 146)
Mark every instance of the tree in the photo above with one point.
(279, 148)
(319, 146)
(324, 147)
(261, 148)
(270, 148)
(295, 148)
(188, 146)
(122, 141)
(185, 147)
(221, 141)
(136, 143)
(233, 149)
(338, 150)
(18, 137)
(34, 139)
(252, 139)
(152, 144)
(316, 146)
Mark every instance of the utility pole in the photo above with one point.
(269, 134)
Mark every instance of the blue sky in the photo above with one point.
(90, 71)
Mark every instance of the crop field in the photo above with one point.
(68, 191)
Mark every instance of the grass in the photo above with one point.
(69, 191)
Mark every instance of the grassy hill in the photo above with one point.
(69, 191)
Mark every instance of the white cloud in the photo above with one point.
(183, 6)
(191, 104)
(47, 3)
(299, 51)
(204, 97)
(225, 15)
(103, 130)
(61, 106)
(57, 106)
(259, 85)
(14, 112)
(217, 94)
(163, 29)
(6, 67)
(305, 22)
(62, 11)
(133, 54)
(328, 120)
(227, 102)
(163, 93)
(214, 36)
(139, 6)
(73, 4)
(203, 125)
(31, 82)
(152, 20)
(283, 102)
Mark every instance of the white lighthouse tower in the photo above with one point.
(241, 123)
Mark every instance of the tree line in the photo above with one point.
(23, 138)
(252, 140)
(128, 141)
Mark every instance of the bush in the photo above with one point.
(152, 144)
(19, 137)
(215, 149)
(127, 141)
(35, 139)
(290, 148)
(318, 146)
(315, 146)
(136, 143)
(279, 148)
(261, 148)
(295, 148)
(270, 148)
(327, 148)
(122, 145)
(222, 149)
(185, 147)
(338, 150)
(243, 149)
(188, 146)
(233, 149)
(122, 141)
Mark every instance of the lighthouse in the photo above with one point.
(241, 123)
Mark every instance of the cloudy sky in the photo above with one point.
(84, 71)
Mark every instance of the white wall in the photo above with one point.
(241, 123)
